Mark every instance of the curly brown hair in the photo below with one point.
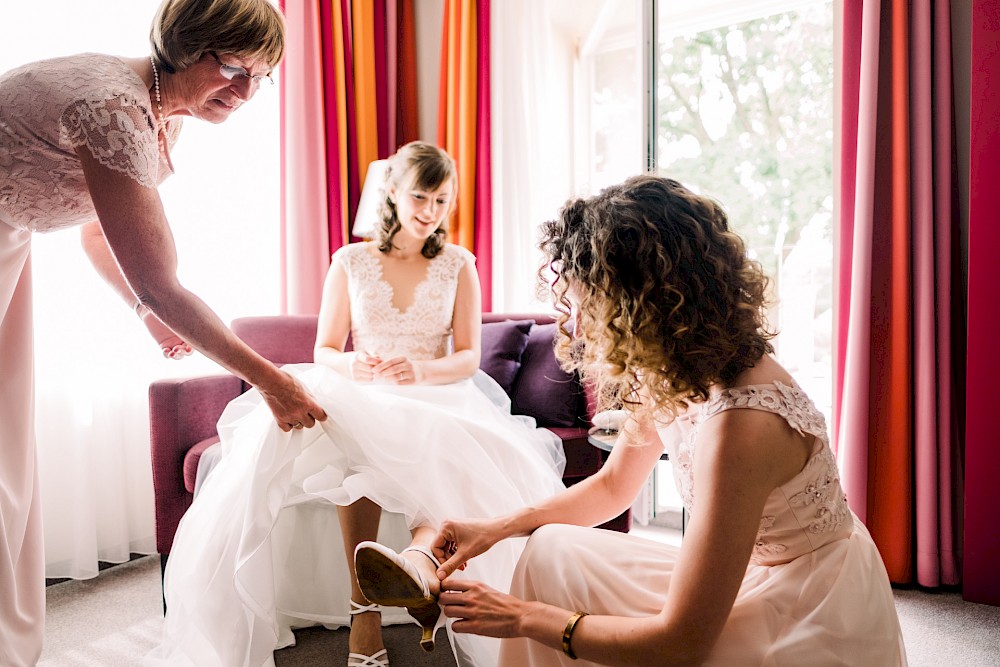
(668, 301)
(419, 166)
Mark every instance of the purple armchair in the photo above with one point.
(517, 353)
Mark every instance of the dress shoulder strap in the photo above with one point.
(790, 402)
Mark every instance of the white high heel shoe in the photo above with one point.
(378, 659)
(389, 579)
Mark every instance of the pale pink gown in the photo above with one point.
(47, 110)
(815, 592)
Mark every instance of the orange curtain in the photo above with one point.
(463, 127)
(349, 96)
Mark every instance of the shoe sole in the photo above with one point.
(384, 582)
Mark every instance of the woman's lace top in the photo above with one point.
(803, 514)
(50, 108)
(423, 330)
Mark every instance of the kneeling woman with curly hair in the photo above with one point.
(668, 320)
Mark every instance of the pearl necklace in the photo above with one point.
(161, 131)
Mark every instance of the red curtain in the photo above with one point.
(464, 128)
(349, 96)
(899, 351)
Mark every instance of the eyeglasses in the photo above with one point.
(240, 74)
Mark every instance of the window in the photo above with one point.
(738, 106)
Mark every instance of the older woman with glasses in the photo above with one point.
(84, 141)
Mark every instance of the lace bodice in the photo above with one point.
(422, 331)
(50, 108)
(808, 511)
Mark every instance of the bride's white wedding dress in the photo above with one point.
(259, 552)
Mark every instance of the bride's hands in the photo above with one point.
(362, 366)
(398, 370)
(172, 345)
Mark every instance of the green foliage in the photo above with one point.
(746, 116)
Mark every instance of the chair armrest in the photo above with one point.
(182, 412)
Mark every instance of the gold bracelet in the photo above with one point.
(567, 636)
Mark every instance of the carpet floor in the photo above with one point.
(115, 619)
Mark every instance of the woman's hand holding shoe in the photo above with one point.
(480, 609)
(458, 542)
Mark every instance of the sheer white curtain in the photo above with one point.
(94, 359)
(532, 142)
(539, 90)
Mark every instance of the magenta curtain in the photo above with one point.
(348, 97)
(899, 354)
(981, 562)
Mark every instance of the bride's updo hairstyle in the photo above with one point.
(668, 300)
(415, 166)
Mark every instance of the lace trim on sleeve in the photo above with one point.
(118, 131)
(788, 402)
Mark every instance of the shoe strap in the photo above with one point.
(379, 659)
(358, 608)
(425, 551)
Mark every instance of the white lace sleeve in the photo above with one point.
(119, 132)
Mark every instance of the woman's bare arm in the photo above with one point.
(135, 226)
(97, 250)
(741, 456)
(334, 323)
(600, 497)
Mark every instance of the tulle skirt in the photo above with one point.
(833, 606)
(259, 552)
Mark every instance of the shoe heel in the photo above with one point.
(427, 616)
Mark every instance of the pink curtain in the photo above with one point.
(305, 208)
(348, 97)
(899, 369)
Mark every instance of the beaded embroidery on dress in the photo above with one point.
(811, 508)
(815, 591)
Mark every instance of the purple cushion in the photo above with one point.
(503, 344)
(543, 389)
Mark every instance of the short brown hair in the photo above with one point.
(183, 30)
(424, 167)
(669, 302)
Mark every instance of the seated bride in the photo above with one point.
(415, 429)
